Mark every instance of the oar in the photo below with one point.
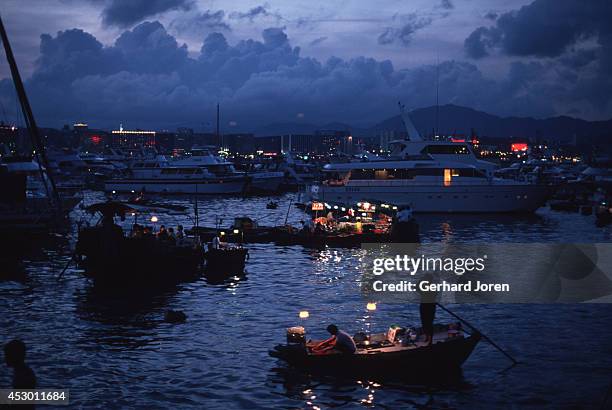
(288, 210)
(485, 337)
(65, 267)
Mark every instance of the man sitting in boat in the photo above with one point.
(340, 341)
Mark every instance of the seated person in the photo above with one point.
(162, 235)
(180, 234)
(339, 341)
(171, 235)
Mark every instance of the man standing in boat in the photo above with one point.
(427, 310)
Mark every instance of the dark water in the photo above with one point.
(116, 351)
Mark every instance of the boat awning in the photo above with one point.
(111, 207)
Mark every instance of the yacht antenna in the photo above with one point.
(218, 135)
(437, 92)
(39, 147)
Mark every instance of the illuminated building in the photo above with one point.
(132, 138)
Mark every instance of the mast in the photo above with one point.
(39, 147)
(437, 93)
(218, 135)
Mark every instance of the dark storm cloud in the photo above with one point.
(447, 4)
(317, 41)
(147, 79)
(200, 22)
(253, 13)
(124, 13)
(544, 28)
(491, 15)
(402, 35)
(575, 36)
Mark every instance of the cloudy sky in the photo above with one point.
(165, 63)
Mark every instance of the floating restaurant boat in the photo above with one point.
(383, 354)
(110, 257)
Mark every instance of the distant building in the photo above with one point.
(8, 137)
(270, 144)
(165, 141)
(132, 138)
(239, 143)
(300, 143)
(333, 141)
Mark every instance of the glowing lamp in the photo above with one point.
(154, 219)
(304, 314)
(236, 231)
(371, 306)
(222, 233)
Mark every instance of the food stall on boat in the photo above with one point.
(341, 226)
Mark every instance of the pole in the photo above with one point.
(218, 135)
(41, 154)
(288, 209)
(65, 267)
(485, 337)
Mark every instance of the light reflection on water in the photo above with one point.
(116, 351)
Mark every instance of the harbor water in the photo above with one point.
(116, 351)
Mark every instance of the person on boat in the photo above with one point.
(14, 356)
(340, 341)
(171, 235)
(427, 311)
(180, 233)
(216, 242)
(137, 231)
(162, 235)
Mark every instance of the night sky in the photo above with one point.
(165, 64)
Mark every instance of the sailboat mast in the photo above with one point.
(437, 94)
(40, 152)
(218, 134)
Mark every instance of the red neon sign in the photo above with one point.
(519, 146)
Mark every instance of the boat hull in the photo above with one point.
(436, 199)
(444, 356)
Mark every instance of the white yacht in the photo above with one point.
(257, 180)
(428, 176)
(159, 175)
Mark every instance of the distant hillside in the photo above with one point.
(454, 119)
(460, 120)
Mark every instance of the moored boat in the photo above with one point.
(111, 258)
(227, 260)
